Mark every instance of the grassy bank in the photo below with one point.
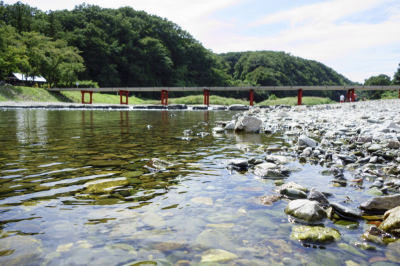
(293, 101)
(42, 95)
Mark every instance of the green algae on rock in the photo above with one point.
(392, 220)
(105, 186)
(315, 234)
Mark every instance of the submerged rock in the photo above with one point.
(248, 124)
(381, 204)
(203, 200)
(392, 220)
(217, 255)
(105, 186)
(315, 234)
(20, 250)
(350, 249)
(393, 252)
(104, 163)
(156, 163)
(306, 210)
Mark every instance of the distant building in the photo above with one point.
(18, 79)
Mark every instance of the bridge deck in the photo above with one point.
(271, 88)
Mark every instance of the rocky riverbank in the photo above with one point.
(357, 140)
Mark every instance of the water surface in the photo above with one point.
(51, 161)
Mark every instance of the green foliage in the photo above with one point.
(396, 77)
(293, 101)
(82, 84)
(272, 97)
(381, 80)
(268, 68)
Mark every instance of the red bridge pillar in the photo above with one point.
(352, 95)
(251, 97)
(348, 95)
(206, 97)
(299, 96)
(83, 97)
(162, 97)
(126, 95)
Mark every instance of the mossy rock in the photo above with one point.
(105, 186)
(315, 234)
(132, 174)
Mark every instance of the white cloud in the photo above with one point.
(315, 34)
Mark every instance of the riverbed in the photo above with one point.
(74, 190)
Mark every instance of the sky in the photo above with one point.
(357, 38)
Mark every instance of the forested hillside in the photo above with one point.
(268, 68)
(125, 48)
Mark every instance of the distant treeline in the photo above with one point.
(126, 48)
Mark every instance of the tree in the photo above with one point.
(396, 77)
(381, 80)
(60, 62)
(35, 46)
(12, 52)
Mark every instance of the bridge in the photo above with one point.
(124, 92)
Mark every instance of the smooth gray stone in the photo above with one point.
(345, 211)
(382, 203)
(293, 193)
(306, 141)
(318, 196)
(306, 210)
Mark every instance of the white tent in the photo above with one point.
(21, 77)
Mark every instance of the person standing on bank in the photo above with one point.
(341, 98)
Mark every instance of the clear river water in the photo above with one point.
(74, 191)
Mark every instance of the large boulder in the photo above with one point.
(392, 220)
(315, 234)
(306, 210)
(248, 124)
(381, 204)
(306, 141)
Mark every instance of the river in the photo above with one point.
(74, 191)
